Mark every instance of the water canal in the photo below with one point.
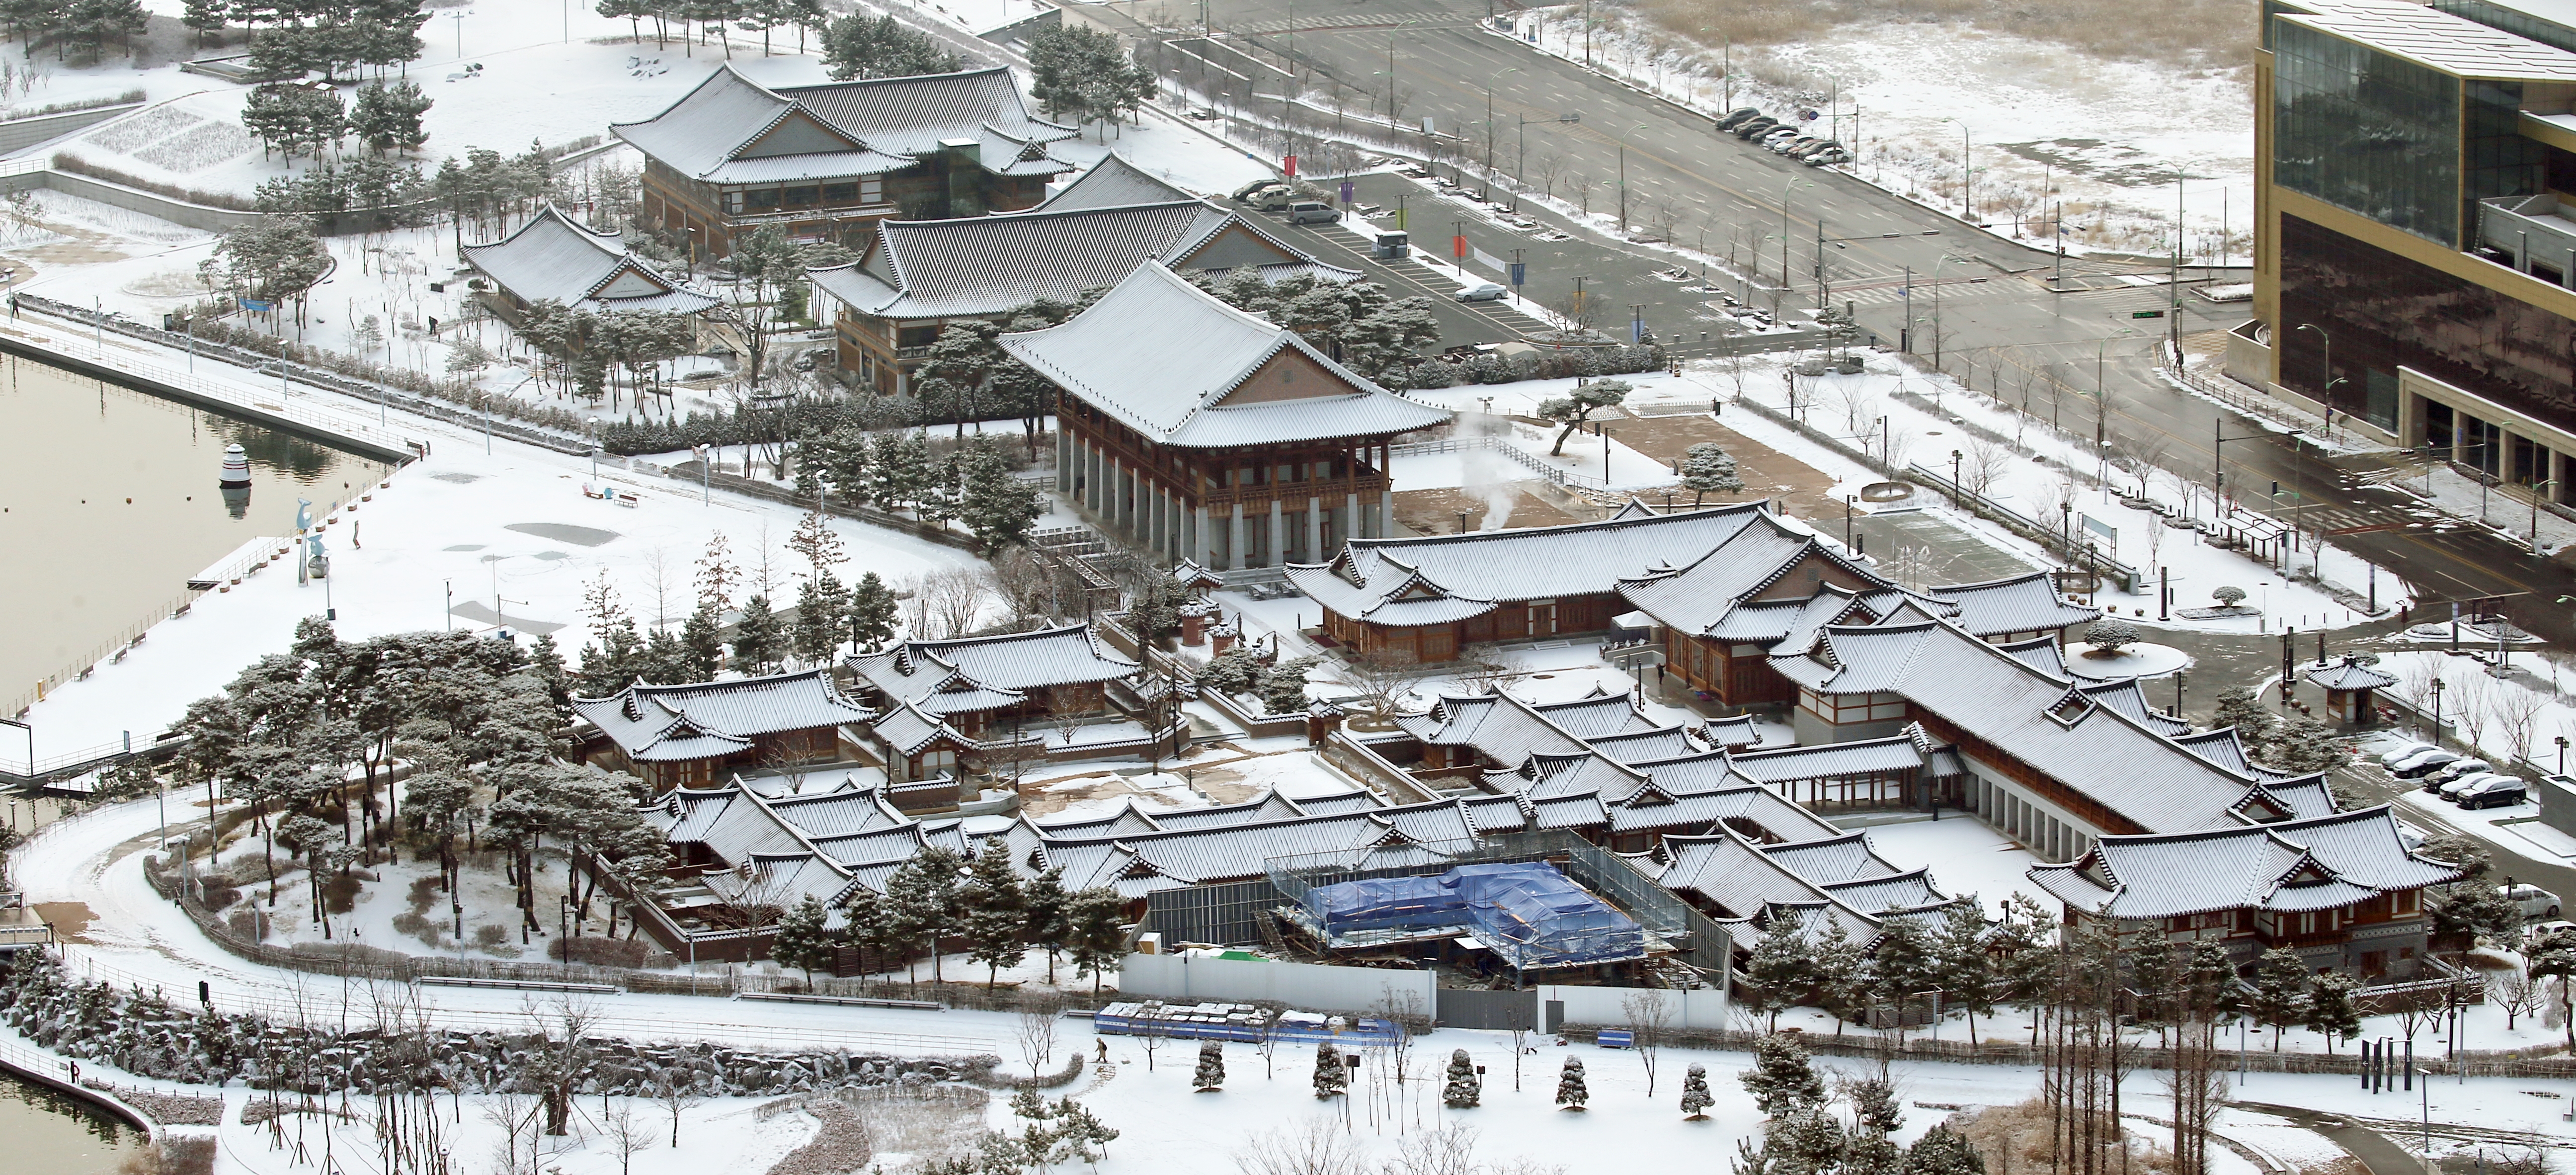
(108, 504)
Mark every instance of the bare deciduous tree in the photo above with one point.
(1316, 1146)
(1649, 1014)
(1035, 1030)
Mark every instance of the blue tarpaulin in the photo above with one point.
(1526, 911)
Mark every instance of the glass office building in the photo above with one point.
(2418, 205)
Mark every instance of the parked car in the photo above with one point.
(1738, 117)
(1826, 158)
(2404, 750)
(1312, 212)
(2493, 792)
(2425, 764)
(2534, 901)
(1482, 292)
(1821, 147)
(2455, 769)
(1776, 134)
(1756, 126)
(1793, 147)
(2540, 930)
(2451, 789)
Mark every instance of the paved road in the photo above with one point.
(1996, 317)
(2373, 1149)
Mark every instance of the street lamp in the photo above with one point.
(2537, 492)
(2331, 381)
(594, 448)
(1967, 198)
(1785, 189)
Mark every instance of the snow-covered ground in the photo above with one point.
(1850, 407)
(2044, 124)
(462, 530)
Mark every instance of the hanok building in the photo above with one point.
(1756, 890)
(915, 278)
(824, 162)
(2342, 891)
(987, 687)
(1434, 595)
(552, 258)
(697, 735)
(1767, 590)
(2052, 761)
(1204, 433)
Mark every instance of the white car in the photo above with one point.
(2534, 901)
(2404, 750)
(2540, 930)
(1482, 292)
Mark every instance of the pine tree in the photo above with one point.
(1901, 966)
(1330, 1078)
(996, 917)
(1695, 1097)
(2238, 707)
(1462, 1088)
(756, 637)
(1570, 1091)
(1782, 1080)
(2280, 996)
(1096, 935)
(1806, 1142)
(2331, 1012)
(1707, 468)
(820, 606)
(1943, 1151)
(388, 118)
(800, 941)
(1046, 909)
(2305, 745)
(817, 543)
(1781, 969)
(1210, 1076)
(997, 507)
(1841, 982)
(1962, 967)
(873, 612)
(703, 637)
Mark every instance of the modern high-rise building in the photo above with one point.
(2415, 187)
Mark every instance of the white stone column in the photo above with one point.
(1278, 553)
(1314, 528)
(1351, 528)
(1203, 538)
(1234, 542)
(1386, 513)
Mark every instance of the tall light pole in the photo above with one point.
(1967, 197)
(1785, 189)
(2326, 393)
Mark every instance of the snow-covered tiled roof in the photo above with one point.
(2019, 603)
(990, 672)
(704, 720)
(2299, 865)
(1114, 183)
(1163, 358)
(2132, 771)
(721, 130)
(2348, 675)
(1832, 860)
(981, 266)
(551, 258)
(1378, 580)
